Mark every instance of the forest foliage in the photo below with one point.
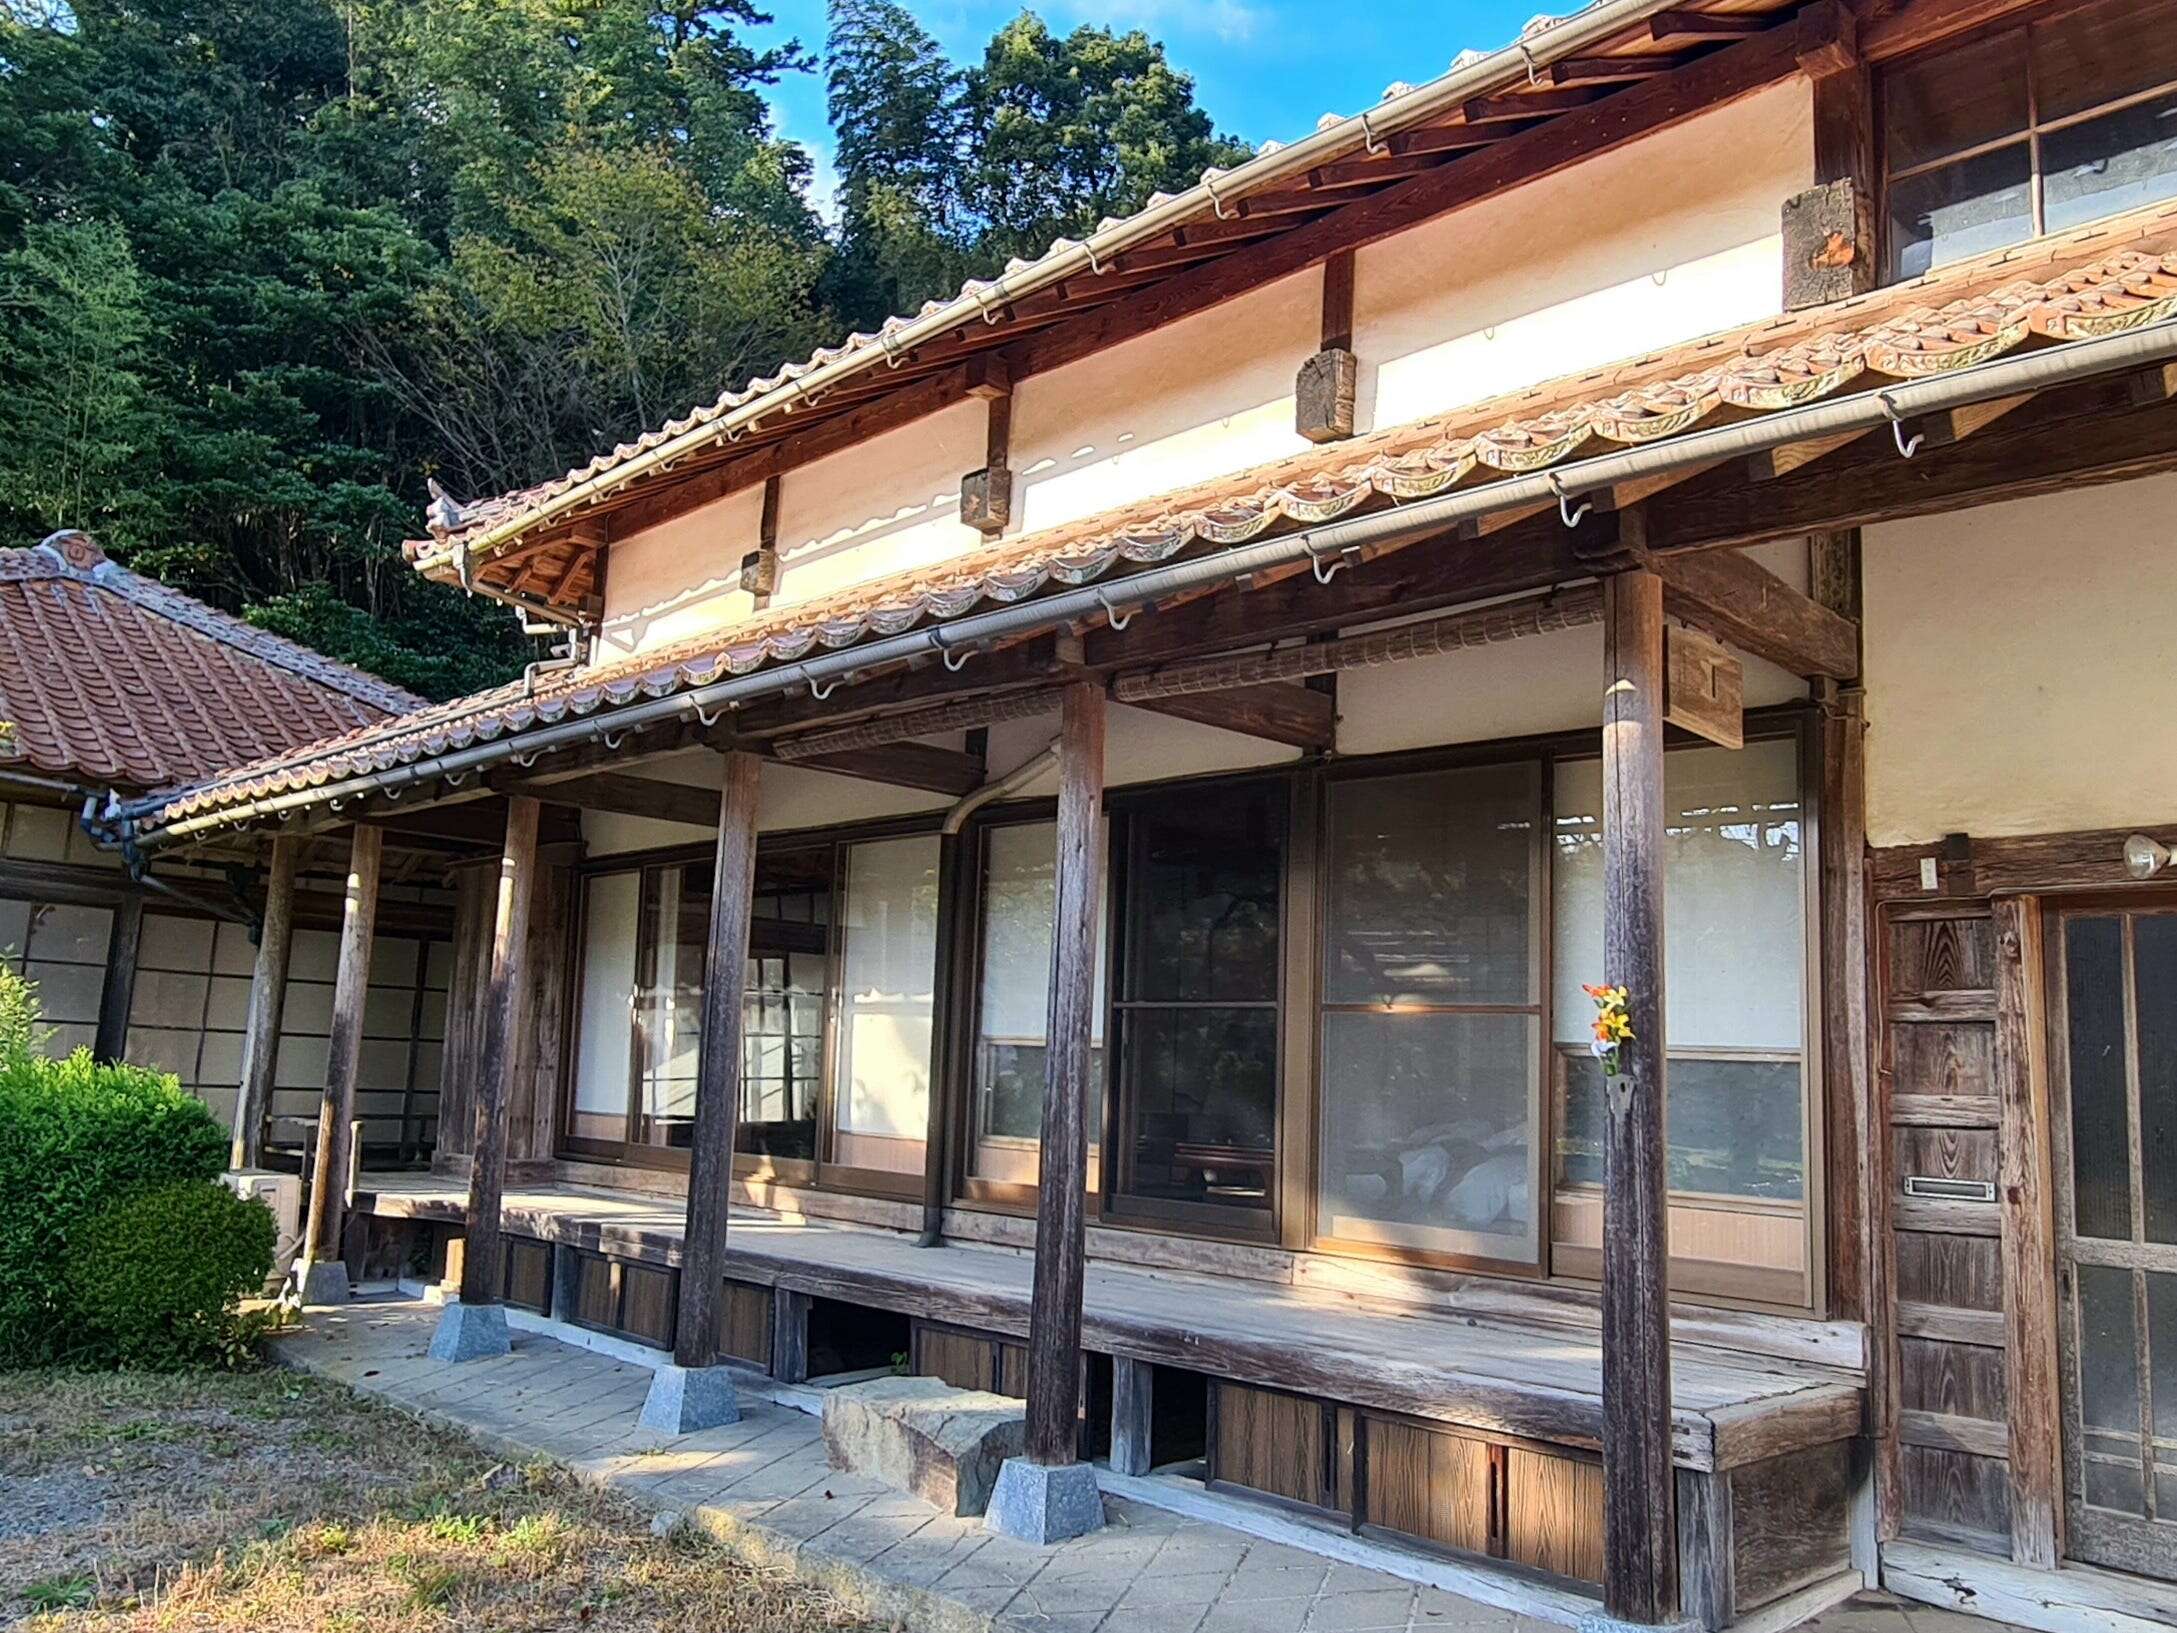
(266, 266)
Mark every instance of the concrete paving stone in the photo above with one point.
(1097, 1593)
(1154, 1587)
(1251, 1580)
(1258, 1616)
(1054, 1621)
(1447, 1612)
(1362, 1609)
(1344, 1578)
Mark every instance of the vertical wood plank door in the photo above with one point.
(2112, 982)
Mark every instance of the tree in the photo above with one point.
(896, 112)
(72, 412)
(1064, 132)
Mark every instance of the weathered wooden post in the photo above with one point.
(696, 1391)
(1050, 1494)
(1640, 1559)
(324, 1280)
(475, 1325)
(267, 997)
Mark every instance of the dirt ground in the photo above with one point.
(269, 1501)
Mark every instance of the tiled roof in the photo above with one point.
(110, 678)
(454, 523)
(2096, 281)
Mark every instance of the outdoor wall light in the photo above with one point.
(2144, 857)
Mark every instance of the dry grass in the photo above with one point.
(273, 1501)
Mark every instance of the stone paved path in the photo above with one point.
(764, 1487)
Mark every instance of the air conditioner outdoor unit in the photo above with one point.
(282, 1193)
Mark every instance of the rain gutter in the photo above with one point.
(1323, 546)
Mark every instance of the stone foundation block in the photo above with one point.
(685, 1399)
(1044, 1506)
(325, 1282)
(922, 1435)
(470, 1332)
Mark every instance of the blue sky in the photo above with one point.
(1263, 68)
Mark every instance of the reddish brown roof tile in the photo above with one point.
(112, 679)
(2088, 283)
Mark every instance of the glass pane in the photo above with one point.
(2108, 1351)
(1428, 1131)
(159, 998)
(887, 974)
(782, 1054)
(2101, 1146)
(2162, 1364)
(1961, 210)
(1733, 901)
(2154, 957)
(604, 1030)
(171, 942)
(2108, 165)
(14, 926)
(669, 1000)
(1734, 1126)
(1431, 888)
(2101, 54)
(1955, 100)
(1019, 899)
(1202, 887)
(67, 992)
(1202, 1088)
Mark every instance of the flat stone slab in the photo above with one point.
(923, 1436)
(1045, 1506)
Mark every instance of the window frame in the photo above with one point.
(756, 1169)
(2030, 136)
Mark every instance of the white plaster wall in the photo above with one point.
(889, 505)
(787, 797)
(1569, 273)
(1197, 399)
(2021, 668)
(680, 578)
(1530, 687)
(1662, 242)
(1139, 746)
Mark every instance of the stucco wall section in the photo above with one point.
(1523, 688)
(1585, 267)
(1200, 398)
(679, 578)
(2021, 666)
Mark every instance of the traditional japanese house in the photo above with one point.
(1139, 762)
(112, 684)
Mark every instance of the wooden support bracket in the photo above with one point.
(1737, 598)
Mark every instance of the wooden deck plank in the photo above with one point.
(1492, 1374)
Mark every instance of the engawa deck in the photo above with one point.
(1535, 1379)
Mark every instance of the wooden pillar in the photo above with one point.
(351, 984)
(119, 992)
(2026, 1194)
(1640, 1562)
(1054, 1336)
(267, 998)
(482, 1278)
(718, 1067)
(952, 1004)
(1133, 1406)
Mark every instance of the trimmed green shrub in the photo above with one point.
(154, 1281)
(76, 1138)
(20, 1034)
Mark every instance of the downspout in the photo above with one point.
(951, 866)
(1323, 546)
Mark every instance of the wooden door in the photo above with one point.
(2113, 1072)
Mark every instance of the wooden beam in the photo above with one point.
(1735, 597)
(267, 997)
(1133, 1407)
(1640, 1558)
(2025, 1189)
(718, 1066)
(1771, 463)
(1276, 711)
(1337, 321)
(906, 765)
(117, 993)
(1908, 28)
(1666, 26)
(1847, 1110)
(620, 792)
(2079, 435)
(482, 1251)
(1054, 1340)
(343, 1055)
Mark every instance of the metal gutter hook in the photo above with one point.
(1565, 512)
(1897, 427)
(1327, 567)
(525, 761)
(1111, 613)
(612, 740)
(820, 691)
(709, 720)
(952, 666)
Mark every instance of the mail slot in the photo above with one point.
(1950, 1190)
